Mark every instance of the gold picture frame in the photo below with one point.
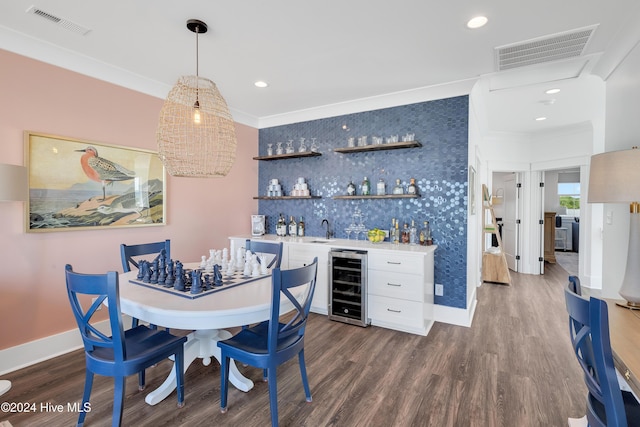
(79, 185)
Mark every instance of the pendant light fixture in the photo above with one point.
(196, 133)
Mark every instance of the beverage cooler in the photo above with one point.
(348, 291)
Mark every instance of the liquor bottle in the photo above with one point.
(366, 187)
(293, 227)
(396, 235)
(423, 234)
(351, 189)
(405, 233)
(413, 233)
(381, 188)
(281, 227)
(412, 189)
(301, 227)
(398, 188)
(392, 230)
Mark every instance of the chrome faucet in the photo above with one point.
(326, 221)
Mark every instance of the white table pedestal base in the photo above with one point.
(201, 344)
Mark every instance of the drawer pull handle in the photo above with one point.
(394, 262)
(397, 285)
(394, 311)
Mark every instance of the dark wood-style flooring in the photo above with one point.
(513, 367)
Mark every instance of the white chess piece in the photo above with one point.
(203, 263)
(231, 269)
(263, 265)
(239, 259)
(255, 272)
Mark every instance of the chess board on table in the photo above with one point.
(228, 282)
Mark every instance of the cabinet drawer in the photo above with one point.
(396, 285)
(399, 263)
(401, 312)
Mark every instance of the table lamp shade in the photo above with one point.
(13, 183)
(615, 177)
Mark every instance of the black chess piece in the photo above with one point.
(169, 281)
(217, 276)
(162, 271)
(146, 272)
(141, 270)
(179, 284)
(196, 281)
(154, 272)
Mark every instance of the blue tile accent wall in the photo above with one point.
(439, 168)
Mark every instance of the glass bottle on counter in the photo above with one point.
(413, 233)
(425, 235)
(301, 227)
(412, 189)
(396, 233)
(398, 188)
(392, 230)
(366, 187)
(293, 227)
(405, 233)
(351, 189)
(281, 226)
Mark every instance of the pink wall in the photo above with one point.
(201, 213)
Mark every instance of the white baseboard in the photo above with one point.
(27, 354)
(455, 316)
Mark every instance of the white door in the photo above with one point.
(510, 222)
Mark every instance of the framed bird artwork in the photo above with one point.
(76, 184)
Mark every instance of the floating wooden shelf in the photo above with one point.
(286, 197)
(386, 196)
(289, 156)
(379, 147)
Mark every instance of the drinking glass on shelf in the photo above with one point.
(303, 146)
(270, 149)
(351, 142)
(314, 145)
(290, 149)
(408, 137)
(279, 148)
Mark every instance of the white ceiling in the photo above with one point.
(330, 57)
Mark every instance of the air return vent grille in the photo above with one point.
(544, 49)
(64, 23)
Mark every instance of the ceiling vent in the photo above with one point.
(559, 46)
(64, 23)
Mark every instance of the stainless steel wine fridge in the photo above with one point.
(348, 292)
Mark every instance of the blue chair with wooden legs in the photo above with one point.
(129, 256)
(607, 405)
(266, 248)
(270, 344)
(123, 353)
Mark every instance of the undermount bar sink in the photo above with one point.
(321, 241)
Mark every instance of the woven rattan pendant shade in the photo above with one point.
(205, 149)
(196, 133)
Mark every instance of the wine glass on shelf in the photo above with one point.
(303, 146)
(279, 148)
(314, 145)
(270, 149)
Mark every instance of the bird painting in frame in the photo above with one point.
(102, 170)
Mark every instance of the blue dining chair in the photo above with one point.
(123, 353)
(574, 285)
(269, 344)
(607, 405)
(129, 255)
(272, 248)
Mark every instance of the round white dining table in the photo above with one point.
(207, 316)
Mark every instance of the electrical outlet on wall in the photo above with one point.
(439, 290)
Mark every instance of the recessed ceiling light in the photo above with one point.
(477, 22)
(260, 83)
(539, 119)
(552, 91)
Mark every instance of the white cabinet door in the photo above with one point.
(301, 255)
